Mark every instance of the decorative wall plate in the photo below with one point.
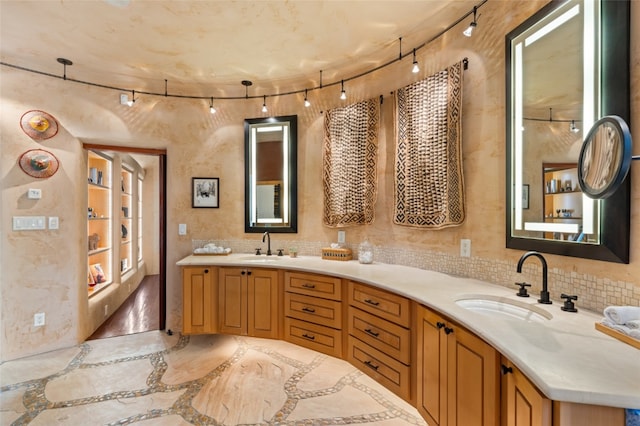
(39, 125)
(39, 163)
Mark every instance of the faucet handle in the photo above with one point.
(523, 289)
(258, 251)
(280, 252)
(569, 306)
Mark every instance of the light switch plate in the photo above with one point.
(182, 229)
(341, 237)
(465, 248)
(54, 222)
(28, 223)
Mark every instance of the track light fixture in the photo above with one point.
(306, 101)
(132, 101)
(212, 110)
(416, 67)
(473, 24)
(343, 94)
(573, 128)
(264, 104)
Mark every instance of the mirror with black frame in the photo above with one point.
(567, 66)
(271, 174)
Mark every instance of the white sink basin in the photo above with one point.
(261, 259)
(501, 307)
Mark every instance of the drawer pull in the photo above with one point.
(371, 332)
(310, 310)
(371, 365)
(307, 285)
(310, 337)
(371, 302)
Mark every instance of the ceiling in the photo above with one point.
(204, 48)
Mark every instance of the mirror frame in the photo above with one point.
(292, 163)
(614, 100)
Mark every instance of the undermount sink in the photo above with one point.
(501, 307)
(261, 258)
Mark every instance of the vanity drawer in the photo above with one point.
(317, 337)
(383, 335)
(391, 373)
(380, 303)
(313, 309)
(313, 285)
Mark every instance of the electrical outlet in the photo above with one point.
(106, 310)
(465, 248)
(34, 194)
(38, 319)
(54, 222)
(342, 237)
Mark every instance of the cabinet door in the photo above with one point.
(431, 367)
(262, 287)
(473, 391)
(199, 294)
(523, 404)
(233, 301)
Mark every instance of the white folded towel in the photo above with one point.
(633, 324)
(633, 332)
(622, 314)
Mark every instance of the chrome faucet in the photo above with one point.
(268, 237)
(544, 294)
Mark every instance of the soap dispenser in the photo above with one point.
(365, 252)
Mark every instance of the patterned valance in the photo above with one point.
(349, 158)
(429, 187)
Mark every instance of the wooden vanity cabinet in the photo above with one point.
(248, 302)
(457, 373)
(313, 312)
(379, 341)
(199, 300)
(522, 403)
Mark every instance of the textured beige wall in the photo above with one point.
(44, 271)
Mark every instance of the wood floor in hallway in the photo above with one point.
(139, 313)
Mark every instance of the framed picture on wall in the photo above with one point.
(205, 192)
(525, 196)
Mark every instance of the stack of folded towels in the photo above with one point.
(625, 319)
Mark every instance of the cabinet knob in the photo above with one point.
(505, 370)
(243, 272)
(439, 325)
(206, 271)
(248, 272)
(448, 330)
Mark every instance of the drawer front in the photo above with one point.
(392, 374)
(381, 303)
(313, 285)
(387, 337)
(313, 309)
(322, 339)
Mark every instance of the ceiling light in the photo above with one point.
(343, 94)
(573, 128)
(306, 101)
(212, 110)
(264, 104)
(416, 67)
(473, 24)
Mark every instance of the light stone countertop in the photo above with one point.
(565, 356)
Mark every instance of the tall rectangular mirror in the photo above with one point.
(567, 66)
(271, 174)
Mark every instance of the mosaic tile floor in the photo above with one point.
(155, 379)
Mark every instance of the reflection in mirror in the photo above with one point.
(605, 157)
(560, 78)
(270, 174)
